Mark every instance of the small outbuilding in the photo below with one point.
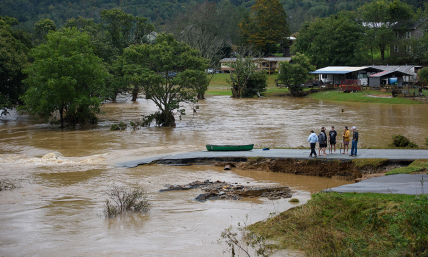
(387, 77)
(410, 70)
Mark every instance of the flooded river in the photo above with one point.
(63, 174)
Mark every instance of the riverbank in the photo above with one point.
(219, 86)
(348, 224)
(365, 96)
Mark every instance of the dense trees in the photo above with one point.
(66, 76)
(160, 12)
(380, 17)
(168, 72)
(335, 40)
(423, 76)
(265, 27)
(209, 27)
(13, 58)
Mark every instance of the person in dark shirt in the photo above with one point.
(332, 136)
(354, 142)
(322, 139)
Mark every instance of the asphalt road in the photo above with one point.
(393, 184)
(392, 154)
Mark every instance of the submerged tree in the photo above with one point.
(122, 29)
(66, 76)
(168, 72)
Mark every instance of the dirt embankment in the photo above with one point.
(338, 169)
(355, 169)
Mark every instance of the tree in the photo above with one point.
(210, 28)
(423, 76)
(66, 76)
(257, 84)
(122, 30)
(125, 29)
(295, 73)
(118, 25)
(335, 40)
(42, 28)
(241, 72)
(167, 71)
(13, 58)
(266, 26)
(381, 16)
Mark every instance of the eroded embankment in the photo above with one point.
(355, 169)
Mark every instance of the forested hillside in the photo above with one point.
(162, 11)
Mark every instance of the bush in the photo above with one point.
(402, 141)
(426, 141)
(114, 127)
(257, 83)
(120, 126)
(122, 200)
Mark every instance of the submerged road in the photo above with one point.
(393, 184)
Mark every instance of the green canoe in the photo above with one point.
(230, 147)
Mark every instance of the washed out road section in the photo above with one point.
(392, 154)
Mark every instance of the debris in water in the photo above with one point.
(216, 190)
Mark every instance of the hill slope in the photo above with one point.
(162, 11)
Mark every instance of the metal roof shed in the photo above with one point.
(375, 79)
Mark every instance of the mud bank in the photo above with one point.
(354, 170)
(221, 190)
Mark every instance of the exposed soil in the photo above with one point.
(322, 168)
(220, 190)
(337, 169)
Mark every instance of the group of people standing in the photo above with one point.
(332, 139)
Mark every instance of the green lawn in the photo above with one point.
(219, 85)
(361, 97)
(415, 166)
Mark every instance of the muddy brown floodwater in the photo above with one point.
(63, 174)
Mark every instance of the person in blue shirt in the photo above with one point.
(313, 139)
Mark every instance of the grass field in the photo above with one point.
(219, 86)
(362, 97)
(415, 166)
(350, 224)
